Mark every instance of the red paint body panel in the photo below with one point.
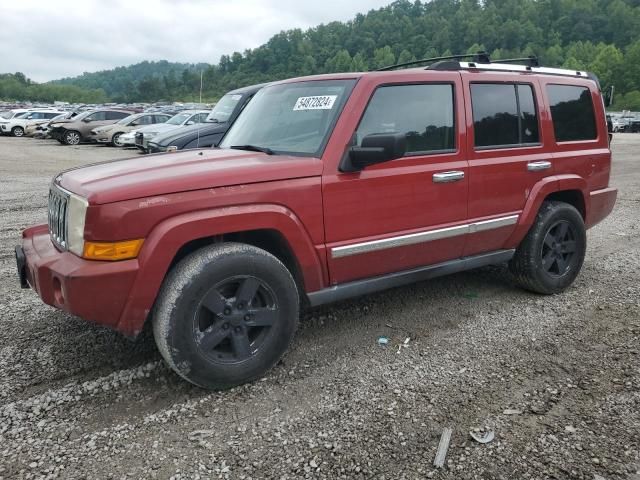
(172, 199)
(160, 174)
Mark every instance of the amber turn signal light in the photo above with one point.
(112, 251)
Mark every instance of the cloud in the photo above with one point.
(49, 40)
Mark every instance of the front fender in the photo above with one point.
(164, 241)
(540, 191)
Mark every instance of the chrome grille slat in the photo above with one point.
(58, 201)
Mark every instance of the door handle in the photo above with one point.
(538, 166)
(447, 177)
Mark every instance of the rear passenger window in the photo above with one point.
(116, 115)
(572, 113)
(423, 112)
(504, 115)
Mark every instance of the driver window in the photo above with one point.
(424, 113)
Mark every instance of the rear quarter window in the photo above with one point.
(572, 113)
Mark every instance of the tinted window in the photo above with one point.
(504, 114)
(116, 115)
(160, 118)
(528, 115)
(51, 115)
(35, 116)
(97, 116)
(423, 112)
(144, 120)
(572, 113)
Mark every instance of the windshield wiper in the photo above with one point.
(253, 148)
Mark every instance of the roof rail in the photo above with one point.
(506, 67)
(482, 61)
(478, 57)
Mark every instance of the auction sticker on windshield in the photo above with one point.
(318, 102)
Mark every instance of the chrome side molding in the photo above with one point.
(422, 237)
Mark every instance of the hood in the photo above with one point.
(190, 132)
(167, 173)
(157, 127)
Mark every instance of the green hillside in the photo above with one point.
(598, 35)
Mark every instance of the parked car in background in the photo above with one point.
(33, 126)
(110, 134)
(210, 132)
(42, 130)
(15, 126)
(78, 129)
(142, 135)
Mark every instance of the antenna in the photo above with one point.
(200, 106)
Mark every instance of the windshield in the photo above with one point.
(128, 119)
(292, 118)
(179, 119)
(7, 114)
(224, 108)
(80, 116)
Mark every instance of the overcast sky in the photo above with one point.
(47, 40)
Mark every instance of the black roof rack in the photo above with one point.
(482, 61)
(479, 57)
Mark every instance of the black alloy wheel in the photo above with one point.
(234, 319)
(559, 249)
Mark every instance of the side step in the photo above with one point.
(397, 279)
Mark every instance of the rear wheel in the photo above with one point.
(71, 137)
(551, 255)
(17, 131)
(225, 315)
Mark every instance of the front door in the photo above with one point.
(407, 212)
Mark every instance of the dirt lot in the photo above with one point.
(556, 378)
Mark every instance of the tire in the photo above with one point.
(71, 137)
(17, 131)
(551, 255)
(225, 314)
(115, 140)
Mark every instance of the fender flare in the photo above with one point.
(540, 191)
(166, 239)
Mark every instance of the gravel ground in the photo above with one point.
(557, 379)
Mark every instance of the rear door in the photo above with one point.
(407, 212)
(507, 156)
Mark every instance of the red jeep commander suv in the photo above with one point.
(328, 187)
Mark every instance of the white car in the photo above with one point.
(17, 124)
(141, 136)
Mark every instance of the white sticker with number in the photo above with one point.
(319, 102)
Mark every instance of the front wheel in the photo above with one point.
(17, 131)
(71, 137)
(551, 255)
(115, 140)
(225, 315)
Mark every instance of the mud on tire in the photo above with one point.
(550, 257)
(225, 314)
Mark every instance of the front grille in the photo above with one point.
(58, 201)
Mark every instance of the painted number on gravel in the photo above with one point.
(319, 102)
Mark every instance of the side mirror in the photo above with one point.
(190, 122)
(86, 120)
(375, 148)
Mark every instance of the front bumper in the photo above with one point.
(4, 128)
(95, 291)
(99, 138)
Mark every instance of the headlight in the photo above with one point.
(76, 213)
